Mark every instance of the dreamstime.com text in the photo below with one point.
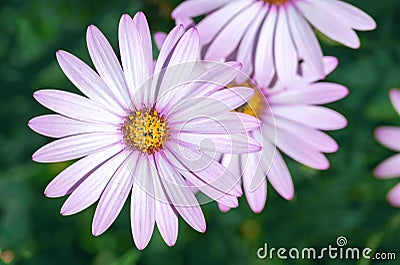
(339, 251)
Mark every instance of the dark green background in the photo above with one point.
(344, 200)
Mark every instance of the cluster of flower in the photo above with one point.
(212, 114)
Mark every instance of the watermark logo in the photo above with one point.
(338, 251)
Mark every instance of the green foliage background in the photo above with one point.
(344, 200)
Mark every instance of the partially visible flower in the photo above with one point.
(389, 136)
(292, 121)
(265, 35)
(141, 129)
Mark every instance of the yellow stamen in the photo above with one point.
(256, 105)
(145, 130)
(276, 2)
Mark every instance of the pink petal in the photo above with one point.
(233, 97)
(205, 168)
(230, 36)
(58, 126)
(322, 18)
(351, 15)
(223, 208)
(160, 38)
(389, 136)
(232, 163)
(275, 168)
(67, 181)
(143, 202)
(147, 49)
(314, 116)
(232, 122)
(88, 81)
(306, 42)
(180, 195)
(256, 196)
(210, 191)
(231, 144)
(395, 98)
(300, 151)
(394, 196)
(167, 222)
(90, 190)
(180, 66)
(280, 178)
(285, 55)
(107, 64)
(389, 168)
(192, 108)
(75, 106)
(213, 23)
(196, 8)
(264, 68)
(76, 146)
(246, 49)
(114, 196)
(133, 59)
(318, 93)
(169, 42)
(213, 76)
(308, 75)
(317, 140)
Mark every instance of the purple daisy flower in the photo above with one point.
(389, 136)
(267, 34)
(140, 129)
(293, 123)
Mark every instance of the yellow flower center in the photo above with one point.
(256, 105)
(145, 130)
(276, 2)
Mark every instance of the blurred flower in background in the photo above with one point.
(293, 121)
(389, 136)
(265, 35)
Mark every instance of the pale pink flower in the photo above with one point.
(137, 130)
(389, 136)
(266, 35)
(292, 123)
